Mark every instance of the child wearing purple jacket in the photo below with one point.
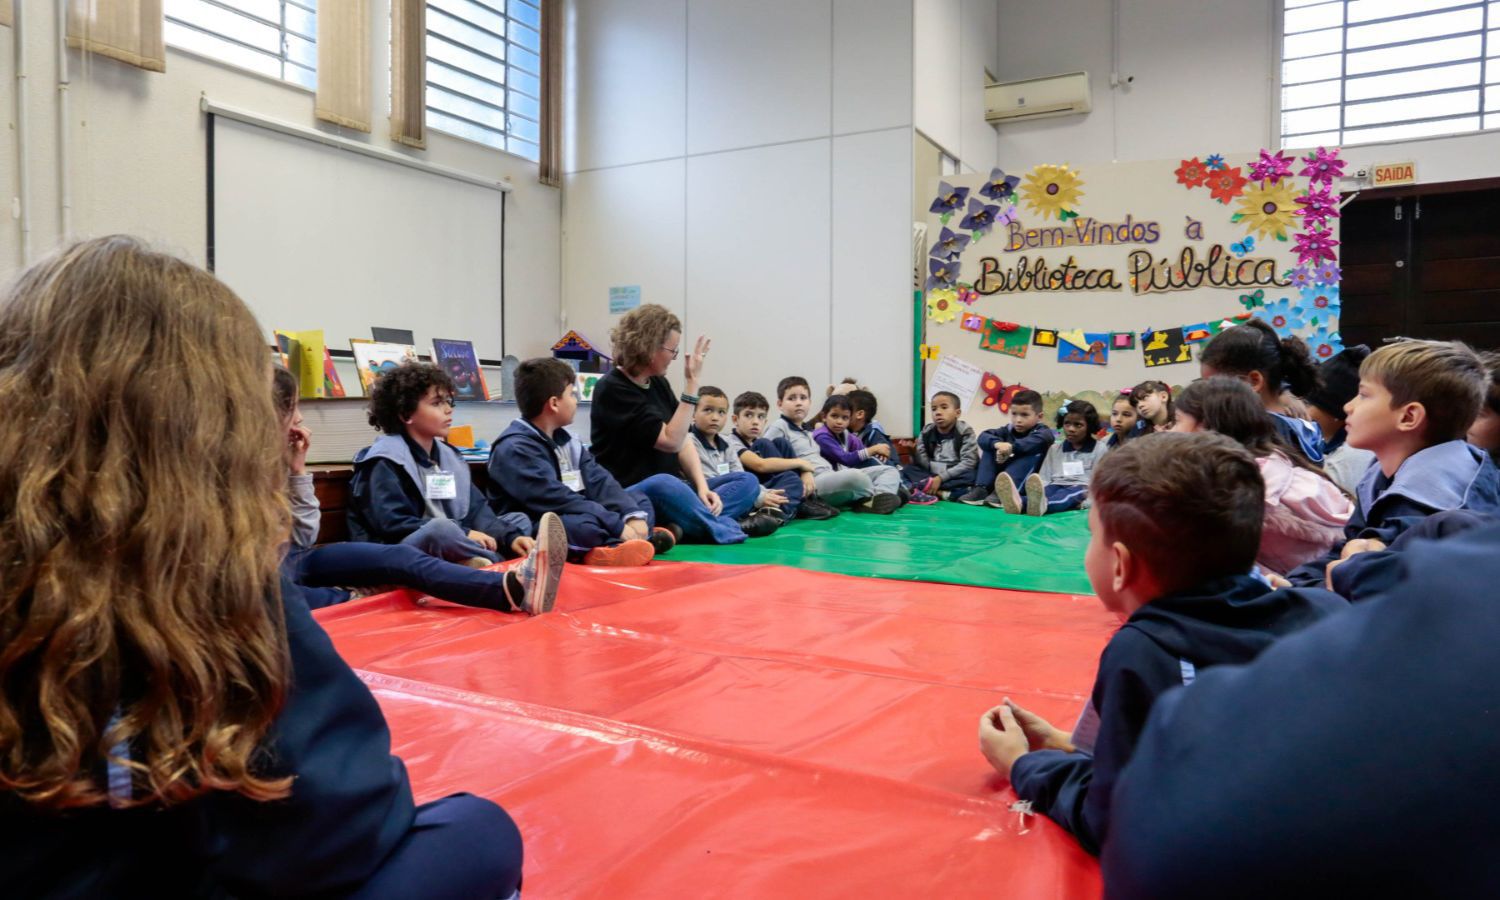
(844, 450)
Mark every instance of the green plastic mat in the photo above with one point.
(947, 542)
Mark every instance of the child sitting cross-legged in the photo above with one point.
(1122, 424)
(844, 450)
(1174, 528)
(538, 467)
(946, 454)
(1063, 482)
(774, 461)
(836, 487)
(1015, 450)
(719, 457)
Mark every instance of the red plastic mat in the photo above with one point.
(689, 729)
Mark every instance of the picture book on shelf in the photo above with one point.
(306, 356)
(374, 358)
(458, 359)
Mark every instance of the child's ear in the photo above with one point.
(1124, 567)
(1413, 417)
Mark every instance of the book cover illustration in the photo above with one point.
(458, 359)
(375, 358)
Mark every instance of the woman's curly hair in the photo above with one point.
(642, 332)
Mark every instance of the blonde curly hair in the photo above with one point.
(642, 332)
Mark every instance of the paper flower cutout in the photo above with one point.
(1192, 173)
(1271, 168)
(1321, 302)
(1226, 184)
(1215, 163)
(949, 244)
(1315, 245)
(999, 186)
(1301, 277)
(941, 274)
(1052, 190)
(1269, 210)
(981, 217)
(942, 306)
(1318, 206)
(1324, 343)
(991, 386)
(1282, 316)
(1323, 166)
(967, 295)
(949, 198)
(1328, 273)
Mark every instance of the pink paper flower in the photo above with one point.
(1315, 245)
(1318, 206)
(1271, 168)
(1323, 165)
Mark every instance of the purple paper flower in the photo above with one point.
(1271, 168)
(950, 244)
(1315, 245)
(1215, 162)
(1328, 273)
(1323, 166)
(941, 274)
(1318, 206)
(981, 217)
(999, 186)
(949, 198)
(1301, 277)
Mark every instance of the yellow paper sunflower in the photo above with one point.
(1268, 210)
(942, 305)
(1052, 191)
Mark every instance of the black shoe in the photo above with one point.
(880, 504)
(976, 496)
(816, 509)
(663, 539)
(760, 524)
(904, 493)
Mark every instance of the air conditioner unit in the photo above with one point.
(1037, 98)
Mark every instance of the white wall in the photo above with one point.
(955, 41)
(748, 165)
(1204, 83)
(138, 163)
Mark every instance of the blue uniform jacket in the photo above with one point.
(386, 504)
(1451, 475)
(1355, 759)
(874, 433)
(1163, 645)
(350, 805)
(526, 476)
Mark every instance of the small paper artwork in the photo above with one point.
(1195, 334)
(972, 322)
(929, 351)
(1165, 348)
(1005, 337)
(1084, 348)
(1122, 340)
(1044, 337)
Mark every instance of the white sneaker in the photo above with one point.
(537, 576)
(1006, 493)
(1036, 495)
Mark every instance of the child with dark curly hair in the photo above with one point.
(411, 487)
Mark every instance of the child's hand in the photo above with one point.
(1361, 545)
(881, 450)
(1003, 451)
(809, 486)
(484, 540)
(774, 499)
(520, 546)
(1001, 739)
(805, 467)
(934, 484)
(298, 441)
(1276, 581)
(1040, 734)
(635, 530)
(711, 500)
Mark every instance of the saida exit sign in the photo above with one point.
(1388, 174)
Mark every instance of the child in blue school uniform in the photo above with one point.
(1063, 482)
(537, 467)
(1016, 450)
(1277, 369)
(176, 722)
(773, 460)
(1174, 529)
(1415, 404)
(717, 455)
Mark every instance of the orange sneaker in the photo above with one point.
(629, 553)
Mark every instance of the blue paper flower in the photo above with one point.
(1282, 316)
(949, 198)
(949, 244)
(999, 186)
(1324, 343)
(981, 217)
(1215, 162)
(1321, 302)
(941, 274)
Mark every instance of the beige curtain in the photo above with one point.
(344, 63)
(409, 72)
(127, 30)
(4, 12)
(552, 68)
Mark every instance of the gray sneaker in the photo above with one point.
(975, 497)
(1006, 495)
(1036, 495)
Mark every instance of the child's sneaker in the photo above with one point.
(1006, 496)
(531, 587)
(1036, 495)
(816, 509)
(634, 552)
(976, 496)
(920, 498)
(760, 524)
(925, 487)
(880, 504)
(663, 539)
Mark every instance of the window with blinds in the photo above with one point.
(273, 37)
(484, 72)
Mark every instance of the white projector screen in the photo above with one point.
(311, 236)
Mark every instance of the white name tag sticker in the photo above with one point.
(1072, 468)
(723, 468)
(573, 480)
(441, 486)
